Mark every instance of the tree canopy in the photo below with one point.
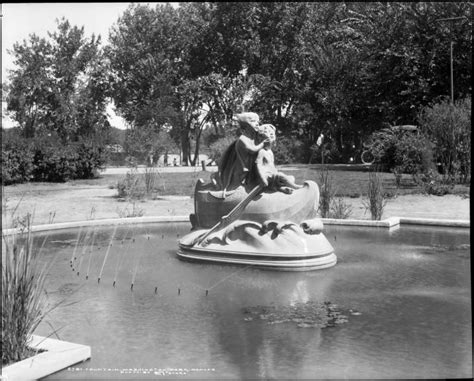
(337, 68)
(60, 84)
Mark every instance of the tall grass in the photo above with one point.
(340, 209)
(376, 198)
(327, 192)
(24, 303)
(151, 176)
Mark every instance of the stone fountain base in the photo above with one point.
(273, 245)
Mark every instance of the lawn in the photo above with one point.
(348, 183)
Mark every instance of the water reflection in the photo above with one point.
(258, 349)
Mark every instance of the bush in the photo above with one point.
(46, 159)
(90, 158)
(402, 151)
(129, 186)
(449, 127)
(17, 164)
(54, 164)
(412, 153)
(434, 184)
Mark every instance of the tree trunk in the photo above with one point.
(198, 139)
(185, 146)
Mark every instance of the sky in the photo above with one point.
(19, 20)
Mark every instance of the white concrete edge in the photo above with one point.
(58, 355)
(435, 222)
(387, 223)
(102, 222)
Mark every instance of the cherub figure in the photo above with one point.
(265, 163)
(237, 162)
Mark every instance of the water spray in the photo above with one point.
(90, 253)
(75, 246)
(107, 253)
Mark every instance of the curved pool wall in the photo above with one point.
(392, 222)
(405, 292)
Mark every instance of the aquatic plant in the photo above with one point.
(24, 303)
(305, 315)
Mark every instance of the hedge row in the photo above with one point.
(22, 162)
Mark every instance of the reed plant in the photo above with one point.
(151, 176)
(376, 198)
(340, 209)
(327, 192)
(24, 304)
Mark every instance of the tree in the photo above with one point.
(60, 84)
(407, 56)
(145, 59)
(342, 69)
(146, 142)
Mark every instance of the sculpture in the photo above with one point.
(237, 162)
(265, 165)
(253, 214)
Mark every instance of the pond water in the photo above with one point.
(397, 305)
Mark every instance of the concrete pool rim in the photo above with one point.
(390, 223)
(56, 356)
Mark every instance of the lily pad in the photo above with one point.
(305, 315)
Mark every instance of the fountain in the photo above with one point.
(397, 305)
(251, 214)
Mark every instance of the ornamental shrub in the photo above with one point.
(412, 153)
(54, 164)
(17, 163)
(45, 158)
(90, 158)
(402, 151)
(448, 126)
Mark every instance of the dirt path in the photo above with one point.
(65, 202)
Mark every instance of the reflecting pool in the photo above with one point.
(404, 299)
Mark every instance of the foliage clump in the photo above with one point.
(38, 160)
(24, 304)
(448, 126)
